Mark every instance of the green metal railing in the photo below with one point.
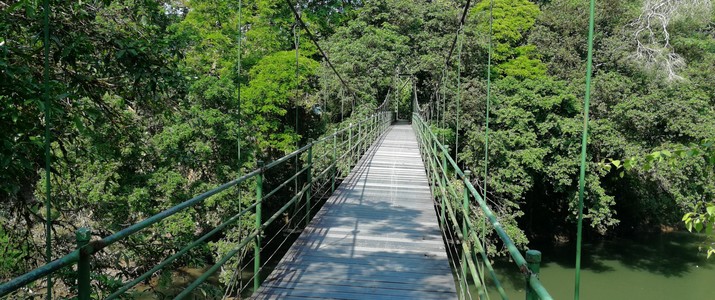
(319, 173)
(465, 221)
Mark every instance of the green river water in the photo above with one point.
(658, 266)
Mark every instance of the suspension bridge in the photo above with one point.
(376, 236)
(404, 223)
(382, 211)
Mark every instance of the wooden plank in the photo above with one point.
(278, 293)
(433, 283)
(376, 247)
(394, 268)
(402, 285)
(362, 253)
(391, 264)
(321, 288)
(376, 237)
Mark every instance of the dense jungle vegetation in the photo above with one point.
(145, 110)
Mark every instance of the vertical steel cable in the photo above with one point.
(239, 36)
(459, 92)
(296, 33)
(486, 119)
(48, 140)
(238, 139)
(584, 142)
(416, 104)
(297, 78)
(489, 98)
(238, 87)
(325, 94)
(439, 106)
(444, 103)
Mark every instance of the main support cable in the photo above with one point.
(448, 58)
(312, 38)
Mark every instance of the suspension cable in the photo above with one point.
(238, 85)
(448, 58)
(459, 93)
(414, 91)
(439, 103)
(486, 118)
(489, 98)
(48, 140)
(296, 34)
(312, 38)
(584, 142)
(444, 103)
(238, 138)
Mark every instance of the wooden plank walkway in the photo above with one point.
(377, 236)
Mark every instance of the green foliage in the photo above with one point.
(367, 54)
(272, 92)
(560, 34)
(512, 19)
(145, 113)
(110, 66)
(533, 133)
(691, 192)
(11, 258)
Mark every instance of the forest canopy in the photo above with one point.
(145, 109)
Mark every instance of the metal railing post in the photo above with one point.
(374, 127)
(426, 155)
(368, 132)
(350, 145)
(335, 162)
(84, 287)
(384, 121)
(377, 126)
(309, 182)
(443, 180)
(257, 246)
(533, 260)
(465, 228)
(379, 123)
(360, 141)
(433, 161)
(465, 204)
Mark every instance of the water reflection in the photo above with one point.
(659, 266)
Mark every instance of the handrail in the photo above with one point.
(96, 246)
(374, 125)
(431, 147)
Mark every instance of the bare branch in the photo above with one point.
(651, 34)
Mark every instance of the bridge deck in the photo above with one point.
(377, 237)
